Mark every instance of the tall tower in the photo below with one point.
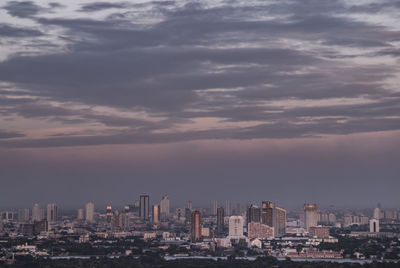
(144, 207)
(215, 207)
(280, 221)
(310, 215)
(190, 205)
(89, 212)
(156, 214)
(228, 210)
(79, 215)
(196, 225)
(51, 213)
(164, 207)
(37, 213)
(109, 214)
(267, 213)
(253, 214)
(220, 221)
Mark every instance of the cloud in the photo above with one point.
(10, 31)
(23, 9)
(98, 6)
(9, 135)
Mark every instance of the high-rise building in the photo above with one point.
(196, 225)
(37, 213)
(89, 212)
(220, 221)
(80, 216)
(23, 214)
(267, 213)
(144, 207)
(190, 205)
(164, 207)
(253, 214)
(374, 226)
(51, 213)
(279, 221)
(109, 214)
(215, 207)
(228, 210)
(310, 215)
(377, 213)
(156, 214)
(236, 227)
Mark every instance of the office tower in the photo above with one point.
(310, 215)
(23, 214)
(374, 226)
(228, 210)
(89, 212)
(109, 214)
(196, 225)
(215, 207)
(190, 205)
(144, 207)
(236, 227)
(41, 226)
(37, 213)
(220, 221)
(238, 209)
(164, 207)
(80, 215)
(253, 214)
(267, 213)
(51, 213)
(377, 213)
(156, 214)
(118, 220)
(279, 221)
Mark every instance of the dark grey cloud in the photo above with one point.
(8, 134)
(11, 31)
(22, 9)
(98, 6)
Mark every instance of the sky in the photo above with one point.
(289, 101)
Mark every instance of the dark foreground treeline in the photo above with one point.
(154, 261)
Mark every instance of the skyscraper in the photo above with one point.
(190, 206)
(310, 215)
(215, 207)
(228, 210)
(279, 221)
(374, 225)
(377, 213)
(156, 214)
(144, 207)
(253, 214)
(220, 221)
(267, 213)
(37, 213)
(89, 212)
(196, 225)
(80, 215)
(164, 207)
(23, 215)
(51, 213)
(236, 227)
(109, 214)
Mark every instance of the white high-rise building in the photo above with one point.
(164, 207)
(51, 213)
(89, 212)
(236, 227)
(37, 213)
(374, 226)
(311, 215)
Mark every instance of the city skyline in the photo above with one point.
(290, 101)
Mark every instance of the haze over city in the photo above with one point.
(290, 101)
